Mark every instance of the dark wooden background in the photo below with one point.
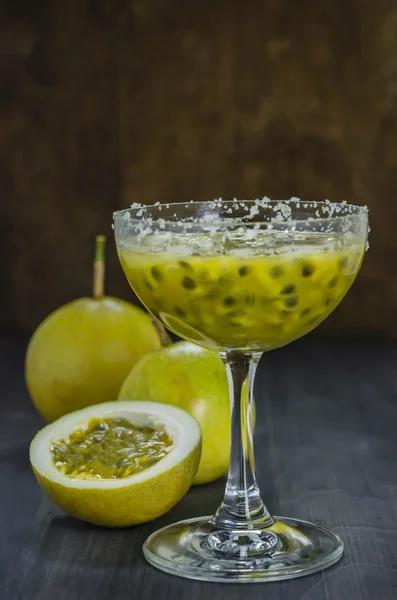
(103, 103)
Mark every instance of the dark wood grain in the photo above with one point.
(326, 451)
(104, 103)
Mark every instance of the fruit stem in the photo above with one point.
(99, 267)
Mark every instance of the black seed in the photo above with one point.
(189, 283)
(327, 302)
(250, 300)
(276, 272)
(291, 302)
(157, 274)
(307, 270)
(184, 264)
(288, 289)
(305, 312)
(148, 285)
(243, 271)
(315, 320)
(333, 282)
(229, 301)
(179, 311)
(343, 262)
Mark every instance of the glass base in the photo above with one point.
(196, 549)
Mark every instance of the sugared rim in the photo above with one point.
(180, 425)
(330, 209)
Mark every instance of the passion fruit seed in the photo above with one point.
(229, 301)
(184, 264)
(307, 270)
(157, 274)
(189, 283)
(276, 272)
(179, 311)
(288, 289)
(343, 262)
(249, 299)
(305, 312)
(110, 449)
(243, 271)
(291, 302)
(333, 282)
(315, 320)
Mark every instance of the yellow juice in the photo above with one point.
(243, 296)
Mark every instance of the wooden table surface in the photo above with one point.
(326, 448)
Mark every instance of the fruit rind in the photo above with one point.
(135, 499)
(82, 352)
(194, 379)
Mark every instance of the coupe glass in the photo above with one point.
(242, 278)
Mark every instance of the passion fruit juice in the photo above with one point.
(254, 295)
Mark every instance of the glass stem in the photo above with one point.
(242, 506)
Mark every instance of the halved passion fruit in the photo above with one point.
(118, 464)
